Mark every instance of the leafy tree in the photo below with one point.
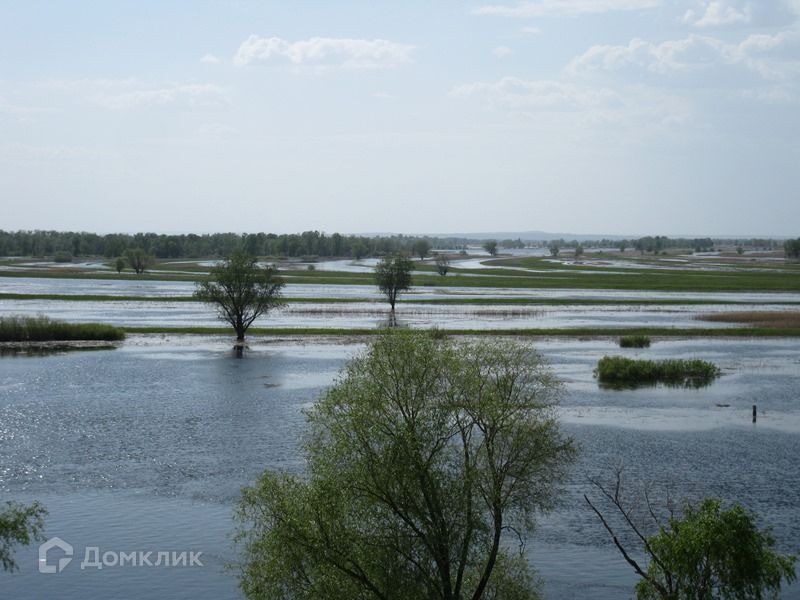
(578, 251)
(393, 276)
(422, 248)
(792, 248)
(119, 265)
(359, 250)
(491, 247)
(419, 461)
(139, 260)
(706, 553)
(554, 250)
(739, 250)
(622, 247)
(442, 264)
(241, 290)
(19, 526)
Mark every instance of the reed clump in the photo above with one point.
(45, 329)
(634, 341)
(621, 371)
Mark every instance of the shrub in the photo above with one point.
(617, 370)
(44, 329)
(62, 257)
(634, 341)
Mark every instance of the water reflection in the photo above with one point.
(13, 351)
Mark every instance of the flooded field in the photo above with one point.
(147, 446)
(373, 315)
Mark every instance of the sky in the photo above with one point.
(624, 117)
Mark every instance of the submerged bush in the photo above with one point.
(45, 329)
(617, 370)
(634, 341)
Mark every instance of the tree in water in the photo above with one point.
(422, 461)
(242, 291)
(393, 276)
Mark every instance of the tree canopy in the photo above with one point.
(421, 461)
(707, 552)
(19, 526)
(393, 276)
(241, 290)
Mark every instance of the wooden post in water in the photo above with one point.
(755, 413)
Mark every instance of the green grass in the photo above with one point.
(553, 276)
(620, 371)
(634, 341)
(44, 329)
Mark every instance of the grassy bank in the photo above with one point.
(774, 319)
(617, 370)
(44, 329)
(549, 276)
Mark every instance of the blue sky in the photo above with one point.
(584, 116)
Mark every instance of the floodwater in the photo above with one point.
(134, 287)
(370, 315)
(145, 448)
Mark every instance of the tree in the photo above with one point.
(419, 461)
(119, 265)
(554, 250)
(491, 247)
(792, 248)
(393, 276)
(19, 525)
(578, 251)
(139, 260)
(706, 553)
(359, 250)
(241, 290)
(422, 248)
(739, 250)
(442, 264)
(622, 247)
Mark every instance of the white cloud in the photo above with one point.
(578, 108)
(210, 59)
(718, 13)
(537, 95)
(502, 51)
(771, 57)
(562, 8)
(324, 52)
(124, 94)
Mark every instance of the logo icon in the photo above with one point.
(55, 542)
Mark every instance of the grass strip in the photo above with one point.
(44, 329)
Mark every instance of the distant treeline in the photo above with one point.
(66, 245)
(306, 244)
